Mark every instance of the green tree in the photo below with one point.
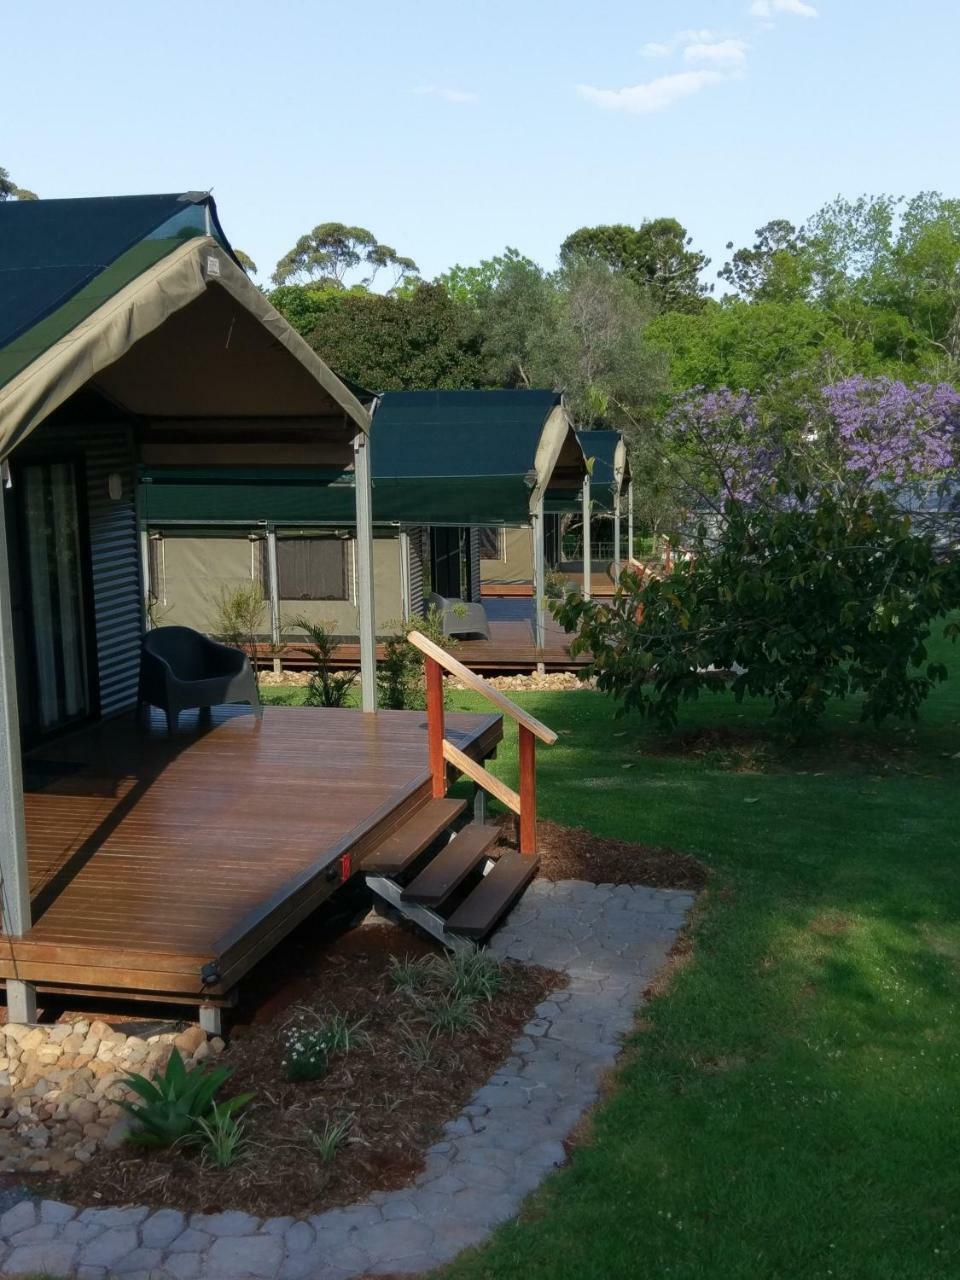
(408, 342)
(248, 264)
(657, 255)
(799, 604)
(776, 268)
(749, 344)
(9, 189)
(332, 250)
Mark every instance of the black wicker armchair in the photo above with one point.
(181, 668)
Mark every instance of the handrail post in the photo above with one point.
(528, 791)
(435, 729)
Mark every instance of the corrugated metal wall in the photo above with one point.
(418, 553)
(473, 551)
(115, 554)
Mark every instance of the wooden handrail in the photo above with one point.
(479, 685)
(443, 752)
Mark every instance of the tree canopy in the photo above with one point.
(657, 256)
(9, 189)
(332, 250)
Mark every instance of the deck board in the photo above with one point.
(151, 855)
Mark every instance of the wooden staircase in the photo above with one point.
(437, 870)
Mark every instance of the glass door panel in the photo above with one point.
(56, 622)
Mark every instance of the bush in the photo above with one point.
(327, 688)
(400, 671)
(799, 602)
(177, 1103)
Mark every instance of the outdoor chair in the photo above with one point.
(460, 617)
(181, 669)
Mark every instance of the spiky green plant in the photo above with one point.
(223, 1139)
(328, 1140)
(175, 1102)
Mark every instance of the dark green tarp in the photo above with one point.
(62, 259)
(457, 457)
(247, 495)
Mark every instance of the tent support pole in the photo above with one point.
(630, 543)
(366, 620)
(145, 575)
(587, 549)
(15, 883)
(273, 566)
(539, 561)
(406, 587)
(616, 537)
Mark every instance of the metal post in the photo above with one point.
(273, 567)
(539, 584)
(14, 873)
(630, 543)
(587, 550)
(616, 536)
(366, 619)
(145, 575)
(406, 587)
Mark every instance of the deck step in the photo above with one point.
(451, 866)
(408, 841)
(493, 897)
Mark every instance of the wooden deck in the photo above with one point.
(165, 867)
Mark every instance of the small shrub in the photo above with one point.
(398, 684)
(470, 975)
(241, 616)
(328, 1140)
(340, 1034)
(410, 974)
(454, 1015)
(327, 688)
(305, 1054)
(223, 1139)
(417, 1046)
(175, 1103)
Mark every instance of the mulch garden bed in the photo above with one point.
(394, 1107)
(573, 853)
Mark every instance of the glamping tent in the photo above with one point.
(452, 470)
(130, 335)
(508, 568)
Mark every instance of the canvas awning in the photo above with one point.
(470, 457)
(142, 298)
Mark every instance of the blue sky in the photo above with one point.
(452, 130)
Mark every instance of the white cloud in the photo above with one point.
(654, 95)
(656, 49)
(767, 8)
(717, 53)
(447, 95)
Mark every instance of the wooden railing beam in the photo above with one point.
(478, 774)
(435, 727)
(528, 791)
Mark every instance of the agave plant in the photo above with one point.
(175, 1103)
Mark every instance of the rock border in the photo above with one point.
(609, 940)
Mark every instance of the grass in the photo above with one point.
(790, 1107)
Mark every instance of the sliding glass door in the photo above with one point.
(52, 583)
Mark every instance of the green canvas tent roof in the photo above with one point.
(133, 295)
(59, 260)
(469, 457)
(606, 456)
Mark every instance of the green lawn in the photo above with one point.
(792, 1108)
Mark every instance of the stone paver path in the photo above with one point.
(610, 941)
